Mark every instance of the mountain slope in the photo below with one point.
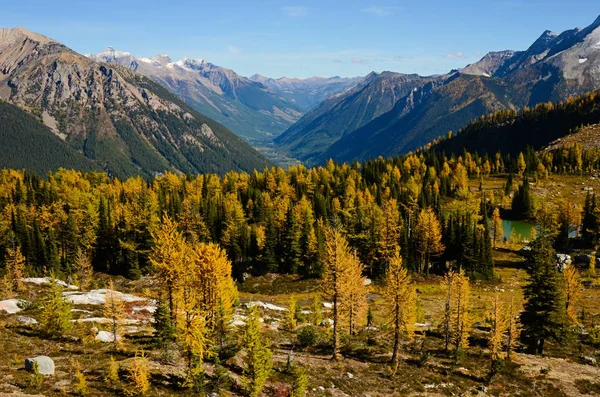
(546, 124)
(425, 114)
(114, 116)
(26, 143)
(344, 113)
(554, 67)
(246, 107)
(307, 93)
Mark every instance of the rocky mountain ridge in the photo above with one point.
(115, 116)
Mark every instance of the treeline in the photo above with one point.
(511, 131)
(273, 221)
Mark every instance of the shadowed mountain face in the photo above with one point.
(115, 117)
(553, 68)
(340, 115)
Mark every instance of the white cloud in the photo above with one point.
(378, 11)
(233, 49)
(456, 55)
(295, 11)
(361, 61)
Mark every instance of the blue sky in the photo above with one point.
(303, 38)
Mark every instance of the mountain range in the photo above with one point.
(391, 113)
(104, 116)
(257, 109)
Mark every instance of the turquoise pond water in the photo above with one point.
(522, 228)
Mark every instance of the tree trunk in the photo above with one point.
(540, 346)
(336, 343)
(395, 355)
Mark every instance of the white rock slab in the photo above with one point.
(98, 297)
(48, 280)
(10, 306)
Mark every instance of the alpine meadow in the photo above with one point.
(396, 210)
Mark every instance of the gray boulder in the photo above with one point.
(26, 320)
(562, 262)
(588, 360)
(45, 365)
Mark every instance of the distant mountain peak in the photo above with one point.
(162, 59)
(111, 53)
(543, 42)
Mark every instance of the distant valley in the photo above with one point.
(258, 109)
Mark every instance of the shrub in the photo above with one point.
(308, 336)
(300, 382)
(138, 377)
(112, 371)
(81, 387)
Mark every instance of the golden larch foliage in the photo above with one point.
(401, 303)
(572, 290)
(15, 270)
(513, 331)
(354, 293)
(114, 310)
(498, 318)
(338, 259)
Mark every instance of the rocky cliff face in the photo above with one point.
(246, 107)
(112, 114)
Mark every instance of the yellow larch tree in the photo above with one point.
(572, 290)
(513, 329)
(521, 164)
(388, 231)
(400, 299)
(15, 270)
(427, 235)
(216, 286)
(338, 259)
(84, 270)
(456, 311)
(460, 307)
(354, 294)
(291, 320)
(258, 362)
(167, 258)
(496, 227)
(447, 285)
(191, 319)
(498, 319)
(114, 310)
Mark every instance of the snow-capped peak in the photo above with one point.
(162, 59)
(191, 63)
(110, 52)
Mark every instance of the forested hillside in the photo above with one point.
(511, 132)
(273, 221)
(27, 143)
